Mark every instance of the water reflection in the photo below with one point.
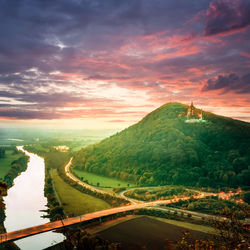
(24, 202)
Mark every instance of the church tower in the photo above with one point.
(191, 110)
(194, 115)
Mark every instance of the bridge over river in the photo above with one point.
(15, 235)
(26, 232)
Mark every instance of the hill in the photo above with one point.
(163, 149)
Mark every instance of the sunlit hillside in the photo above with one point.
(163, 149)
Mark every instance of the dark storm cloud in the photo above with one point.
(227, 16)
(30, 29)
(27, 114)
(54, 99)
(208, 59)
(231, 82)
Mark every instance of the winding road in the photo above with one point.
(15, 235)
(90, 187)
(84, 184)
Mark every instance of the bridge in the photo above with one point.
(26, 232)
(19, 234)
(134, 205)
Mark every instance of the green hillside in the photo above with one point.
(163, 149)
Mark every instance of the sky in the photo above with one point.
(98, 64)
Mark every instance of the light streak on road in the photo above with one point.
(12, 236)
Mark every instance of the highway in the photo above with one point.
(84, 184)
(200, 194)
(15, 235)
(74, 178)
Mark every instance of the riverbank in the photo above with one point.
(64, 198)
(25, 203)
(12, 163)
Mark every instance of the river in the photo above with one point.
(23, 204)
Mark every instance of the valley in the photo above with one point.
(92, 185)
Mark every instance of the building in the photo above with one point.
(194, 114)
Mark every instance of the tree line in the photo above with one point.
(58, 160)
(17, 166)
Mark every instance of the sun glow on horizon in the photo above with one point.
(105, 74)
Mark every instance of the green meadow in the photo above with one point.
(98, 180)
(73, 201)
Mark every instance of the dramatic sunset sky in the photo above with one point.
(107, 63)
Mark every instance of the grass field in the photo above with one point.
(109, 190)
(74, 202)
(147, 231)
(5, 163)
(94, 179)
(188, 226)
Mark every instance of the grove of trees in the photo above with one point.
(2, 152)
(163, 149)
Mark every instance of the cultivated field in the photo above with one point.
(74, 202)
(147, 231)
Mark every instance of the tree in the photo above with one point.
(233, 234)
(246, 197)
(58, 210)
(83, 240)
(2, 152)
(3, 188)
(3, 192)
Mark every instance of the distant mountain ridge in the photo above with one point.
(163, 149)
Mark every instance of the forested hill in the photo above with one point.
(163, 149)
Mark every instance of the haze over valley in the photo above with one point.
(124, 124)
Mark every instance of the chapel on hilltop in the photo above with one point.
(193, 113)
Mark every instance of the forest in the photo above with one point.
(163, 149)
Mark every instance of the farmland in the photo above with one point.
(74, 202)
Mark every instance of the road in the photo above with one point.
(84, 184)
(11, 236)
(95, 189)
(92, 188)
(80, 182)
(194, 215)
(133, 201)
(200, 194)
